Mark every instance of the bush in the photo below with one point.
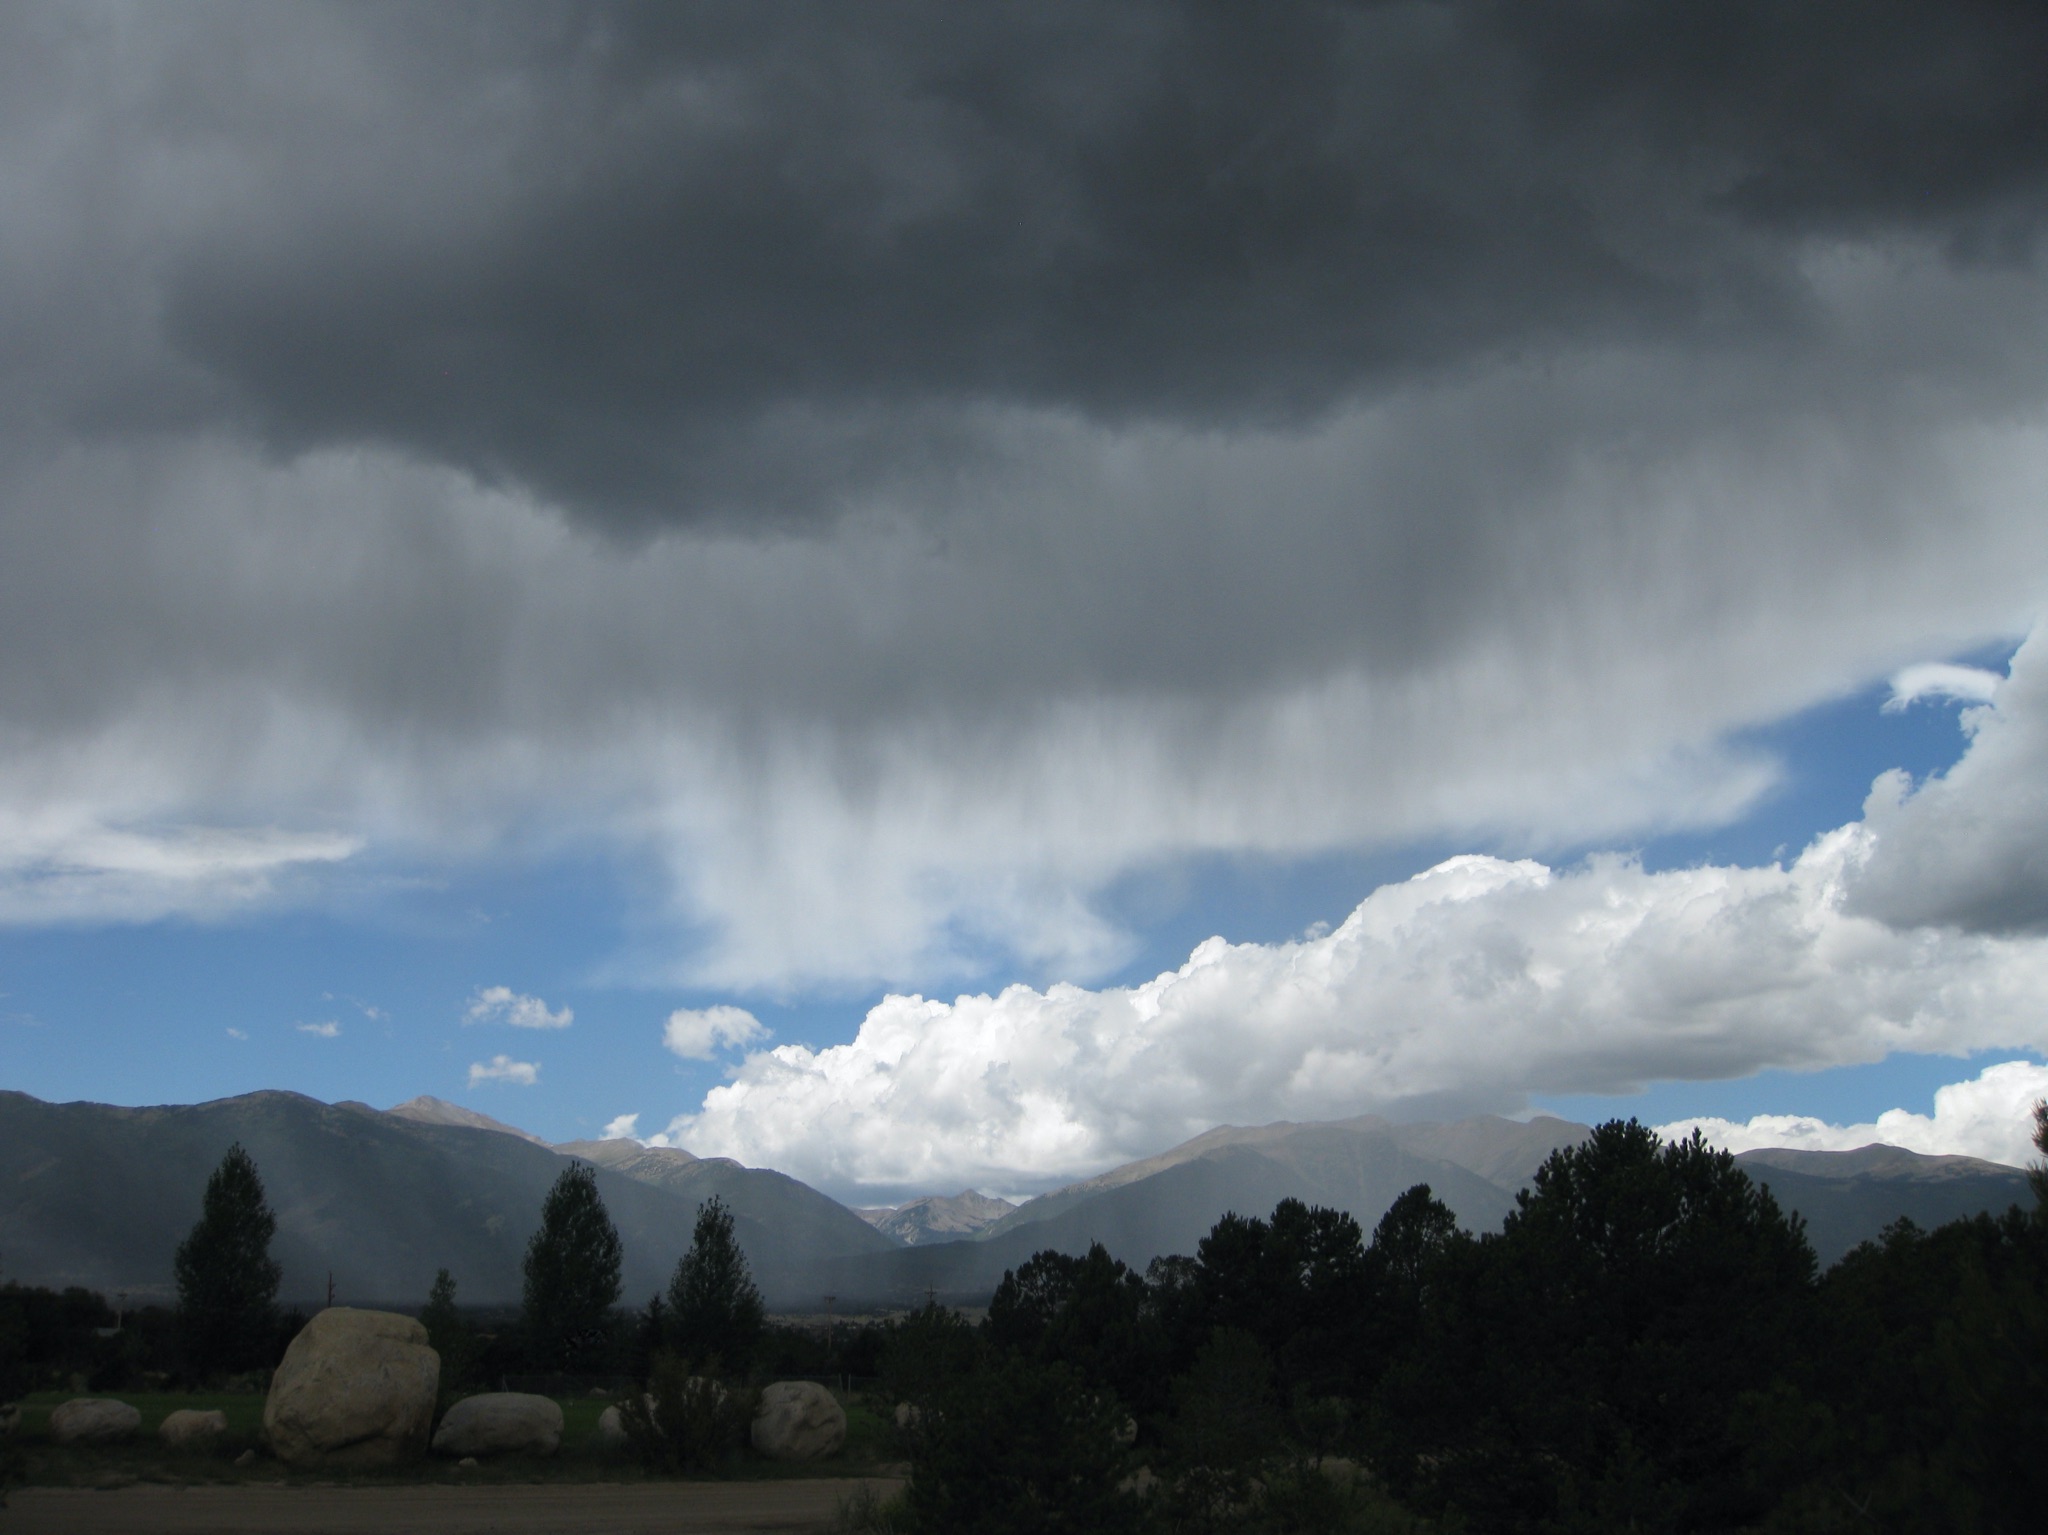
(1022, 1446)
(686, 1421)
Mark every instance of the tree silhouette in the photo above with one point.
(2037, 1175)
(572, 1270)
(714, 1310)
(447, 1334)
(227, 1280)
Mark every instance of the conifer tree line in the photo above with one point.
(1647, 1345)
(227, 1327)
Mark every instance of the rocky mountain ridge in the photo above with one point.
(936, 1218)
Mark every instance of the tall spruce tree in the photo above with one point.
(227, 1280)
(572, 1271)
(447, 1334)
(714, 1310)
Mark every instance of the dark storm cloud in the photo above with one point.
(675, 263)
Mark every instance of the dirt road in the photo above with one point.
(671, 1508)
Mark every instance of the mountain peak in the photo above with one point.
(426, 1110)
(937, 1219)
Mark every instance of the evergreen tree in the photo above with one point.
(447, 1334)
(227, 1280)
(2037, 1175)
(572, 1270)
(714, 1311)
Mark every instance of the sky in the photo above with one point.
(944, 596)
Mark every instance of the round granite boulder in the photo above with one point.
(500, 1423)
(356, 1388)
(191, 1429)
(798, 1420)
(94, 1420)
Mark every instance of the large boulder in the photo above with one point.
(798, 1420)
(191, 1429)
(500, 1423)
(94, 1420)
(611, 1428)
(356, 1388)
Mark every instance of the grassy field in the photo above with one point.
(583, 1457)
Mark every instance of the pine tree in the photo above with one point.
(447, 1334)
(572, 1270)
(2037, 1175)
(714, 1310)
(227, 1280)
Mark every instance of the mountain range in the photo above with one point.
(937, 1219)
(100, 1196)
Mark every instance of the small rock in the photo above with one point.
(907, 1414)
(467, 1463)
(500, 1423)
(798, 1420)
(246, 1459)
(611, 1428)
(94, 1420)
(190, 1429)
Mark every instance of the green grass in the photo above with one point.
(583, 1458)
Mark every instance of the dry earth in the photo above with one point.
(670, 1508)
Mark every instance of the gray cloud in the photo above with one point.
(662, 264)
(909, 467)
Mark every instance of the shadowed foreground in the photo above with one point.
(674, 1508)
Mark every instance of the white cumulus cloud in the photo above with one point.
(1990, 1116)
(502, 1068)
(501, 1004)
(698, 1033)
(619, 1129)
(1468, 987)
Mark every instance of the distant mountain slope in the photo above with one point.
(1171, 1209)
(1502, 1152)
(803, 1220)
(1506, 1152)
(1849, 1197)
(438, 1111)
(101, 1196)
(1168, 1203)
(623, 1154)
(936, 1219)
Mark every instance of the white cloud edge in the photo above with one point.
(1990, 1117)
(1941, 679)
(502, 1068)
(699, 1033)
(501, 1004)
